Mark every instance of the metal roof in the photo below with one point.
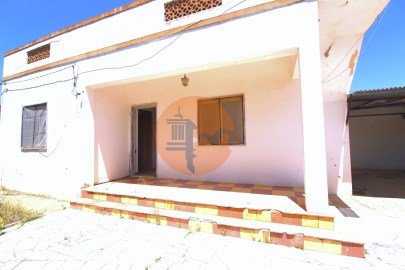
(377, 98)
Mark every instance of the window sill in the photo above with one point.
(24, 150)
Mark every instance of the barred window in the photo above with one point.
(34, 128)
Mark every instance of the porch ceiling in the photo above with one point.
(277, 68)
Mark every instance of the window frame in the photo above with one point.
(220, 127)
(33, 148)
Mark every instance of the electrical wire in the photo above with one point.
(44, 75)
(376, 28)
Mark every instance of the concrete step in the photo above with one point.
(318, 239)
(259, 207)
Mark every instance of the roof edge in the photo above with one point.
(80, 24)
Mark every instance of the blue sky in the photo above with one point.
(381, 63)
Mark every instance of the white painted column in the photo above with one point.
(315, 170)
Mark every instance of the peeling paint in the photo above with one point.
(352, 62)
(326, 54)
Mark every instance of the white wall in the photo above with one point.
(134, 23)
(61, 169)
(377, 142)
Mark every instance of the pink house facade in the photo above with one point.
(264, 103)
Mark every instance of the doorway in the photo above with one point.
(143, 152)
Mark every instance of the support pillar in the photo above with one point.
(315, 167)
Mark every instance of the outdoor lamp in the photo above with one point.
(185, 80)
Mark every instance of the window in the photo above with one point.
(180, 8)
(33, 128)
(39, 53)
(221, 121)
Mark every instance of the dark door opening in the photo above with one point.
(146, 141)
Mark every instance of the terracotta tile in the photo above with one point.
(174, 185)
(263, 187)
(261, 191)
(243, 190)
(205, 187)
(172, 222)
(298, 189)
(137, 216)
(188, 186)
(189, 207)
(354, 250)
(291, 219)
(230, 212)
(100, 210)
(86, 195)
(222, 188)
(183, 223)
(276, 217)
(224, 184)
(76, 206)
(244, 185)
(178, 206)
(280, 188)
(145, 202)
(283, 218)
(218, 229)
(286, 193)
(195, 183)
(296, 240)
(232, 231)
(113, 198)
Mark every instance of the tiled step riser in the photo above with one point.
(273, 216)
(297, 240)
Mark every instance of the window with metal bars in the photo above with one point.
(34, 128)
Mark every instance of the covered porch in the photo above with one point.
(281, 122)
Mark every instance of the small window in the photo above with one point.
(39, 53)
(34, 128)
(221, 121)
(180, 8)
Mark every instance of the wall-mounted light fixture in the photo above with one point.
(185, 80)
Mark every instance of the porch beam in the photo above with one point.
(315, 169)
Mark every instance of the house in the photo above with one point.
(249, 92)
